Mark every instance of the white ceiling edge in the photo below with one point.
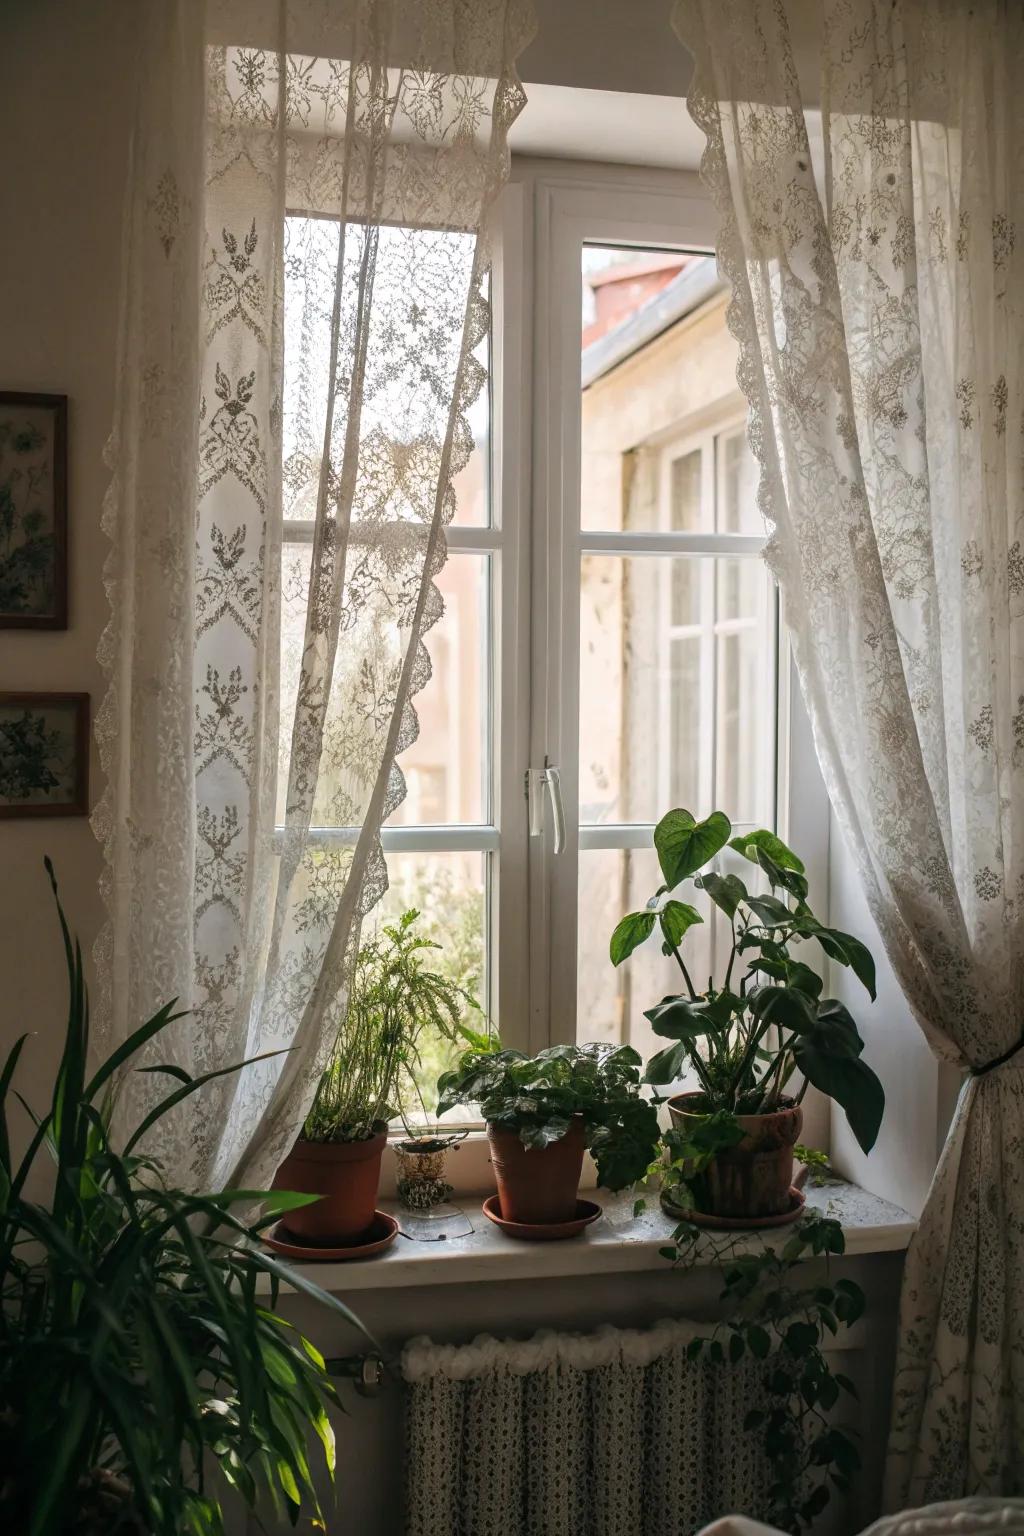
(617, 127)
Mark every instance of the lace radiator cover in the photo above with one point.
(613, 1433)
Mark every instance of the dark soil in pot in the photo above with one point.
(346, 1174)
(537, 1184)
(754, 1177)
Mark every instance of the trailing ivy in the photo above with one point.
(781, 1310)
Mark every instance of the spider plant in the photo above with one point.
(144, 1374)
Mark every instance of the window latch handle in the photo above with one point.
(537, 779)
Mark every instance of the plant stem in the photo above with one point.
(756, 1036)
(732, 957)
(686, 975)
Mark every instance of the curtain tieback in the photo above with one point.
(997, 1061)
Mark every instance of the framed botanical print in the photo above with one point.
(44, 754)
(33, 511)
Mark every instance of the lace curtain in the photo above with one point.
(879, 319)
(304, 293)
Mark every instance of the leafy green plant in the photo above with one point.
(745, 1037)
(781, 1311)
(538, 1096)
(143, 1375)
(397, 1002)
(818, 1165)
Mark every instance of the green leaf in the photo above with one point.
(684, 845)
(726, 891)
(815, 1502)
(192, 1086)
(847, 1079)
(710, 1134)
(784, 1007)
(792, 972)
(750, 844)
(5, 1082)
(789, 879)
(759, 1340)
(666, 1066)
(676, 1018)
(800, 1338)
(675, 918)
(634, 929)
(772, 912)
(835, 1029)
(134, 1042)
(844, 948)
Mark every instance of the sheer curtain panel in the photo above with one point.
(303, 294)
(878, 310)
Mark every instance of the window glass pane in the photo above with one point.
(685, 583)
(684, 754)
(745, 693)
(611, 999)
(449, 891)
(737, 486)
(686, 514)
(402, 424)
(446, 766)
(641, 374)
(676, 713)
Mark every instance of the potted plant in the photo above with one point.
(544, 1111)
(142, 1377)
(396, 1004)
(765, 1021)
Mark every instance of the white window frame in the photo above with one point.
(619, 206)
(545, 214)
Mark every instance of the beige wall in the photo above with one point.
(65, 98)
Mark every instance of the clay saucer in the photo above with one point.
(380, 1234)
(546, 1231)
(738, 1223)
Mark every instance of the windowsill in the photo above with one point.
(615, 1243)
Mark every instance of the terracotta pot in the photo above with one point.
(753, 1178)
(537, 1184)
(346, 1174)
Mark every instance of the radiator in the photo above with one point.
(613, 1433)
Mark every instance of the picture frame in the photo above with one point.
(44, 754)
(33, 510)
